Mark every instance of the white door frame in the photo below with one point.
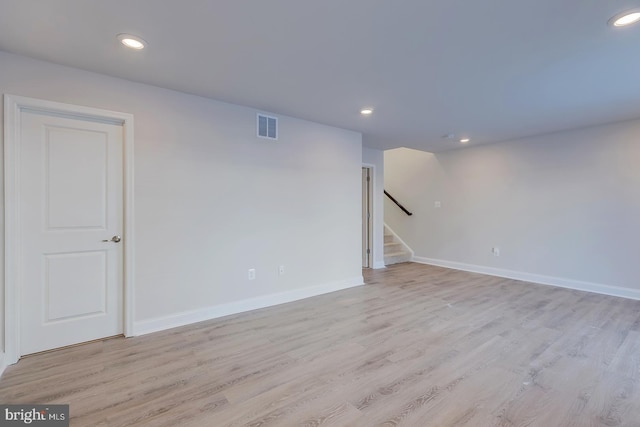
(13, 108)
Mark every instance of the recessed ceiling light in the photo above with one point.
(626, 18)
(366, 111)
(132, 42)
(465, 140)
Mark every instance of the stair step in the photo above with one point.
(392, 247)
(398, 253)
(395, 251)
(397, 257)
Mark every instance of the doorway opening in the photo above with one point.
(366, 217)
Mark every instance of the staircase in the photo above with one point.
(395, 251)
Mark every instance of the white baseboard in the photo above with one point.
(378, 265)
(535, 278)
(208, 313)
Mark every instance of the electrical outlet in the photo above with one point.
(437, 204)
(252, 274)
(495, 251)
(281, 270)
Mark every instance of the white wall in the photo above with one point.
(212, 200)
(562, 208)
(375, 158)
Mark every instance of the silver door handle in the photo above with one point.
(114, 239)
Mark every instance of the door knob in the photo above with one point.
(114, 239)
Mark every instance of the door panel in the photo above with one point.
(76, 193)
(71, 199)
(87, 284)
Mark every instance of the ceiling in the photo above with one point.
(492, 70)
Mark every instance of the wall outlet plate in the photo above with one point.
(251, 275)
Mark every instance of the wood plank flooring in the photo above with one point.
(418, 346)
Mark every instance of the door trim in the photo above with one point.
(13, 108)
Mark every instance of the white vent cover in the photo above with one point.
(267, 127)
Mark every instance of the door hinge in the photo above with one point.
(368, 251)
(368, 179)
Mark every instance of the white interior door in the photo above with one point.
(70, 206)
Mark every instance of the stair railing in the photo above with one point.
(397, 203)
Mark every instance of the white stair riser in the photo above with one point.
(396, 259)
(392, 247)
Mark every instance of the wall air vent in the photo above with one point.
(267, 127)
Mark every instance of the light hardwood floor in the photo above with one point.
(418, 346)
